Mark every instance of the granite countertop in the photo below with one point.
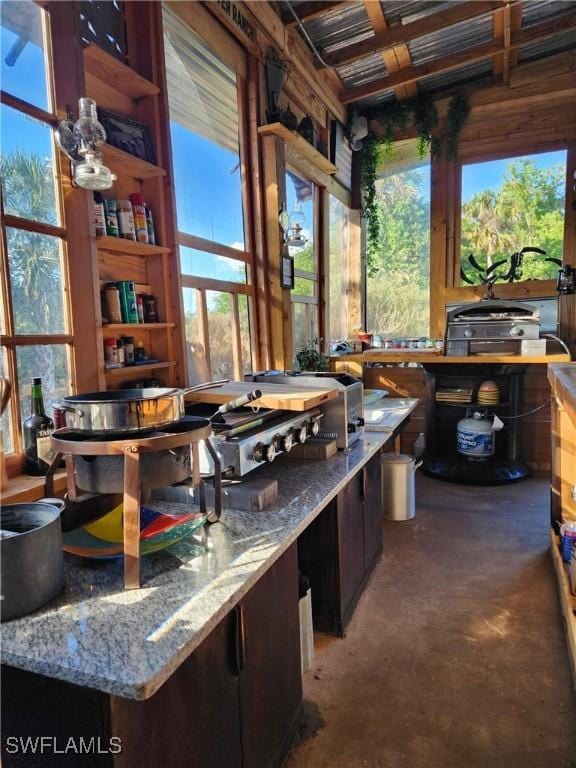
(128, 643)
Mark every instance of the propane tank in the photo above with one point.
(475, 436)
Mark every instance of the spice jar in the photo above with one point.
(99, 216)
(126, 220)
(150, 313)
(139, 353)
(140, 307)
(128, 350)
(110, 353)
(112, 295)
(120, 346)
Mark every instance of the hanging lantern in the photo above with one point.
(296, 237)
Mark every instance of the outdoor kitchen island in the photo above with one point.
(201, 665)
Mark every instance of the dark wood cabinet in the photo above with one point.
(340, 548)
(372, 514)
(350, 508)
(233, 703)
(271, 678)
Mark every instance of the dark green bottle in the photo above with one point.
(38, 427)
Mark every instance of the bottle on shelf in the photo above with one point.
(126, 220)
(113, 303)
(150, 226)
(139, 210)
(111, 212)
(128, 301)
(38, 427)
(99, 215)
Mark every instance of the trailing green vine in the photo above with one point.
(395, 116)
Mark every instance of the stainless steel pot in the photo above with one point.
(32, 562)
(126, 410)
(105, 474)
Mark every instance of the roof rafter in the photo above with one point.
(403, 33)
(396, 58)
(456, 60)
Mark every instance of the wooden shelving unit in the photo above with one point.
(300, 146)
(120, 245)
(129, 370)
(123, 327)
(121, 77)
(117, 87)
(129, 165)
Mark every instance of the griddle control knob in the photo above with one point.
(284, 442)
(263, 452)
(313, 428)
(301, 434)
(516, 331)
(468, 333)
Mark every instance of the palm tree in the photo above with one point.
(34, 260)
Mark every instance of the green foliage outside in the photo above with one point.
(398, 280)
(526, 210)
(35, 275)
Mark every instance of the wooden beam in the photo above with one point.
(312, 10)
(403, 33)
(396, 58)
(454, 61)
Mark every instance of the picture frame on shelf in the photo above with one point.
(127, 135)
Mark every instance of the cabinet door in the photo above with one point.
(193, 720)
(372, 513)
(351, 543)
(271, 680)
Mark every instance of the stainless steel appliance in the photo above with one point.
(247, 439)
(342, 417)
(491, 327)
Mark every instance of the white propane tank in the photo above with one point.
(475, 436)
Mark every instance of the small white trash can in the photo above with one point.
(397, 472)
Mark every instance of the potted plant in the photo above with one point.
(310, 358)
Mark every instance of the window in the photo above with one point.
(34, 311)
(204, 96)
(509, 204)
(339, 270)
(398, 272)
(302, 204)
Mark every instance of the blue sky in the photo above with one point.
(489, 175)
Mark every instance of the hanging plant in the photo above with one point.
(394, 116)
(458, 111)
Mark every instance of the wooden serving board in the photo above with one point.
(273, 395)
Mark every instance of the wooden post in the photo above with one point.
(131, 517)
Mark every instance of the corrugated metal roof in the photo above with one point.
(456, 77)
(363, 70)
(452, 39)
(349, 24)
(407, 11)
(340, 27)
(537, 11)
(565, 41)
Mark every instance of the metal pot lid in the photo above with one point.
(122, 395)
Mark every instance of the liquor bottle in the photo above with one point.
(38, 427)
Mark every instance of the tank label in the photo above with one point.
(475, 443)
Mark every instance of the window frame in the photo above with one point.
(11, 340)
(537, 288)
(317, 277)
(225, 48)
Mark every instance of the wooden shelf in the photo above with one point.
(567, 600)
(116, 74)
(123, 163)
(26, 488)
(409, 356)
(119, 373)
(131, 247)
(137, 326)
(300, 146)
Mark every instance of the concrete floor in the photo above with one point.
(456, 656)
